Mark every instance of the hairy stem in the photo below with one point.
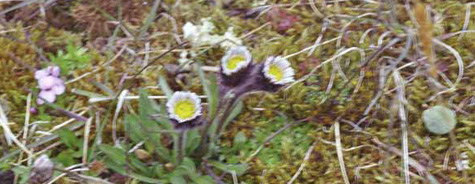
(181, 145)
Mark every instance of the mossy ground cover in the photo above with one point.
(365, 72)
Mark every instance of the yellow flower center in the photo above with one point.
(185, 109)
(276, 72)
(234, 61)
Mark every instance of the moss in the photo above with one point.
(13, 90)
(92, 15)
(264, 113)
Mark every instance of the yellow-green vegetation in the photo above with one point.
(365, 72)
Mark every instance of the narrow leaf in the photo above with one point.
(162, 82)
(211, 90)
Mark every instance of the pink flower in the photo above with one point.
(50, 84)
(49, 71)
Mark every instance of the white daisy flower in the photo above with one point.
(235, 59)
(278, 70)
(184, 106)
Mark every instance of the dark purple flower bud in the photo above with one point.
(33, 110)
(7, 177)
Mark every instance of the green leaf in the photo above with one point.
(235, 112)
(439, 119)
(201, 179)
(144, 178)
(65, 157)
(150, 18)
(143, 128)
(77, 154)
(68, 138)
(114, 153)
(146, 131)
(104, 88)
(22, 173)
(187, 165)
(145, 106)
(239, 141)
(139, 166)
(239, 169)
(120, 168)
(133, 129)
(74, 57)
(192, 140)
(162, 83)
(149, 108)
(149, 128)
(158, 170)
(211, 90)
(177, 179)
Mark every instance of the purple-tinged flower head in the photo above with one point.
(269, 76)
(236, 65)
(236, 60)
(50, 84)
(184, 110)
(277, 71)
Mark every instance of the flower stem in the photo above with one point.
(204, 133)
(181, 145)
(224, 116)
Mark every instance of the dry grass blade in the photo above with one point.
(414, 163)
(339, 54)
(304, 162)
(87, 130)
(102, 99)
(467, 17)
(8, 132)
(339, 152)
(120, 103)
(311, 48)
(457, 57)
(404, 124)
(27, 118)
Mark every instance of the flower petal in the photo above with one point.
(40, 74)
(47, 95)
(235, 59)
(278, 70)
(47, 82)
(54, 71)
(59, 89)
